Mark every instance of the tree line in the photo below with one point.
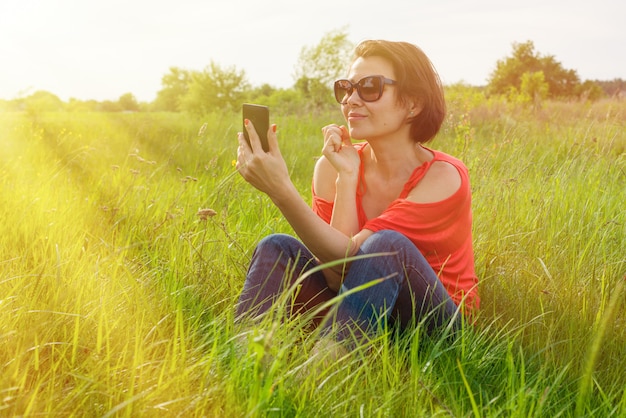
(525, 75)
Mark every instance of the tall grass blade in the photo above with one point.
(586, 379)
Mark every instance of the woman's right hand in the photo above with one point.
(339, 151)
(266, 171)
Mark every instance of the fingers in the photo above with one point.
(345, 134)
(330, 129)
(255, 141)
(335, 137)
(242, 151)
(342, 131)
(272, 138)
(243, 144)
(253, 151)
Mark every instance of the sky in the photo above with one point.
(93, 49)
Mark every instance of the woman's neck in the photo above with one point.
(391, 159)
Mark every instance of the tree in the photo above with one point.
(534, 88)
(175, 87)
(263, 90)
(214, 88)
(110, 106)
(591, 90)
(317, 92)
(128, 102)
(613, 88)
(42, 101)
(510, 71)
(318, 66)
(76, 105)
(561, 82)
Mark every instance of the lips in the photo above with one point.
(355, 116)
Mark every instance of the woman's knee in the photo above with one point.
(386, 240)
(276, 244)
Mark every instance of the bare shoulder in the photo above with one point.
(441, 181)
(324, 178)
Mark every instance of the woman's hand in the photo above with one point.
(266, 171)
(339, 151)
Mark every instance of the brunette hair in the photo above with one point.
(416, 79)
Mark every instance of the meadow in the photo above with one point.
(117, 283)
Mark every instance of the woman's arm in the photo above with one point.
(325, 242)
(268, 172)
(337, 177)
(341, 190)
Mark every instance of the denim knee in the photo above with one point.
(386, 240)
(266, 273)
(275, 244)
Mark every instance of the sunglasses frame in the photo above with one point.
(347, 93)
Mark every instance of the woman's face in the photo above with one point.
(384, 117)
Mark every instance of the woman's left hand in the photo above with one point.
(339, 151)
(266, 171)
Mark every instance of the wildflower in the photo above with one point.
(202, 129)
(211, 165)
(205, 214)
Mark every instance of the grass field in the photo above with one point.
(116, 297)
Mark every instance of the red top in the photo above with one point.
(442, 231)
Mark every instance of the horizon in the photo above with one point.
(30, 93)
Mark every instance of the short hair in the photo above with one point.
(416, 79)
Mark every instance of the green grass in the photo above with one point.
(116, 299)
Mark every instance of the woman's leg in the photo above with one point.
(408, 288)
(278, 261)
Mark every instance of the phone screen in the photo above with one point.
(260, 117)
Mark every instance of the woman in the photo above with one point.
(388, 196)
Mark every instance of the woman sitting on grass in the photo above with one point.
(388, 196)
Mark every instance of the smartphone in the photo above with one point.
(260, 117)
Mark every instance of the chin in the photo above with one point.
(355, 134)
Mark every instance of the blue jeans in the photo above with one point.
(410, 290)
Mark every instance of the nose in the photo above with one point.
(353, 96)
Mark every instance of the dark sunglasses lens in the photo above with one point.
(343, 89)
(369, 88)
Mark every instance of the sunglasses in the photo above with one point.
(370, 88)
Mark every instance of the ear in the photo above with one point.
(414, 108)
